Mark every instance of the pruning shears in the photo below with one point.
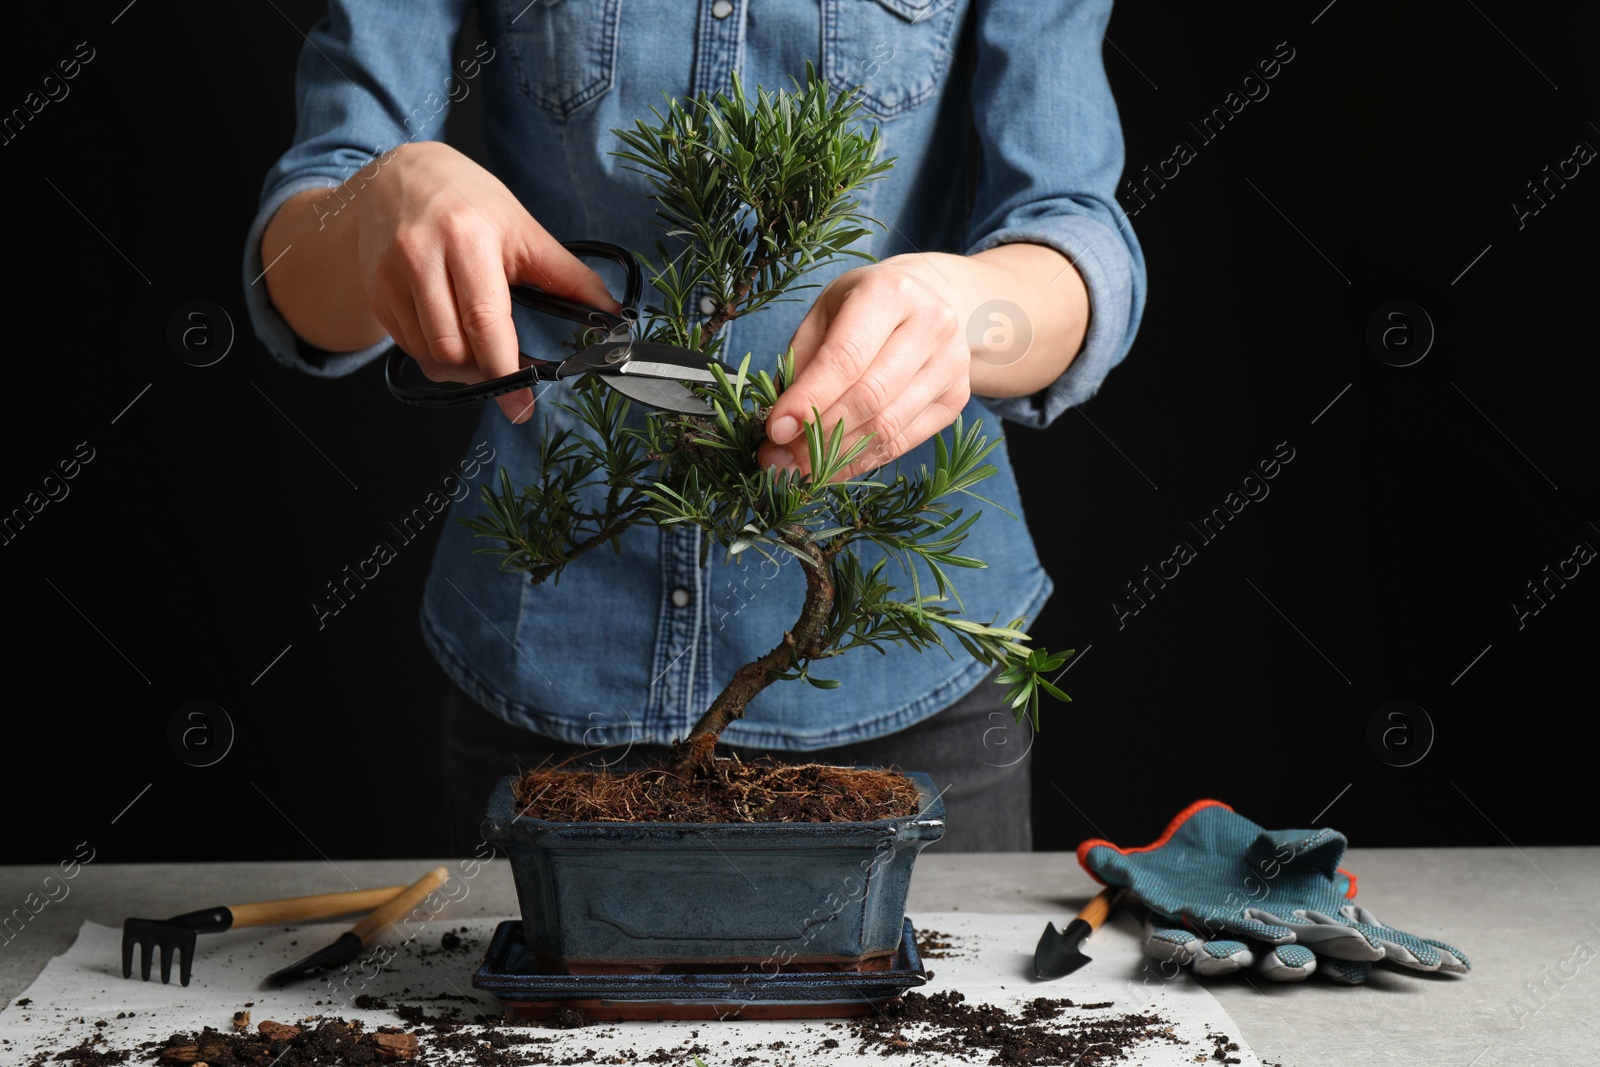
(657, 375)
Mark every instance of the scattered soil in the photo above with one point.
(331, 1041)
(90, 1052)
(942, 1027)
(732, 791)
(454, 948)
(1226, 1050)
(934, 945)
(917, 1029)
(569, 1019)
(493, 1048)
(945, 1025)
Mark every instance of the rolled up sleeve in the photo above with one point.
(1051, 156)
(374, 74)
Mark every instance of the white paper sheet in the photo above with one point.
(990, 961)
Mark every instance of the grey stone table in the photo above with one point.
(1528, 919)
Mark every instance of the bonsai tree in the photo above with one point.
(755, 192)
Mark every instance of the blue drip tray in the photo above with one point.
(510, 972)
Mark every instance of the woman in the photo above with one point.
(1006, 285)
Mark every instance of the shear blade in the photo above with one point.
(665, 393)
(653, 373)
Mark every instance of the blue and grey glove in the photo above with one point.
(1215, 878)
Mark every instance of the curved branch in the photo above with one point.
(805, 640)
(538, 573)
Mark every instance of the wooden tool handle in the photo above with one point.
(318, 906)
(1099, 909)
(370, 927)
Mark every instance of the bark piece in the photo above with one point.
(392, 1047)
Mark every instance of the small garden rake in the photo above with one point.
(177, 934)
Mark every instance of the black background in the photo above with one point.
(1383, 165)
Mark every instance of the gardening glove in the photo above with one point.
(1215, 878)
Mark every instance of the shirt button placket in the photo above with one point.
(671, 708)
(721, 40)
(676, 706)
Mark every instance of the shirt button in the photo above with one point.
(680, 598)
(708, 304)
(722, 9)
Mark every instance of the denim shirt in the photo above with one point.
(635, 646)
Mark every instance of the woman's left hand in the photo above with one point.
(884, 349)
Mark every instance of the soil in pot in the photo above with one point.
(732, 791)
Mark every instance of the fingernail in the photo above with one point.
(780, 458)
(783, 429)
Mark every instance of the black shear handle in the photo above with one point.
(560, 306)
(438, 395)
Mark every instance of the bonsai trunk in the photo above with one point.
(804, 641)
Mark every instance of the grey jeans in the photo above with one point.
(974, 750)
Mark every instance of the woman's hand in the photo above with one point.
(884, 349)
(896, 348)
(426, 253)
(441, 241)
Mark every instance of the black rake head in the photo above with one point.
(150, 934)
(176, 934)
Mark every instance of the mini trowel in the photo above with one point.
(356, 940)
(1061, 952)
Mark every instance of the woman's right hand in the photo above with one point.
(441, 241)
(432, 242)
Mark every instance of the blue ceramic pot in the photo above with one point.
(639, 896)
